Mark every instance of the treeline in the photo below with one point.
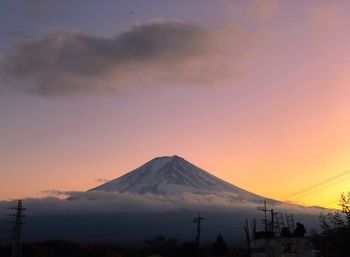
(158, 246)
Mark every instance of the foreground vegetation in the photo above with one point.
(158, 246)
(334, 241)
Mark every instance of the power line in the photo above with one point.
(339, 180)
(323, 182)
(329, 204)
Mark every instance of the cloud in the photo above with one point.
(102, 180)
(56, 192)
(113, 202)
(64, 62)
(109, 216)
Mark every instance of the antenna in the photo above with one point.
(17, 229)
(265, 210)
(198, 221)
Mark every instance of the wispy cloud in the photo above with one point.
(64, 62)
(102, 180)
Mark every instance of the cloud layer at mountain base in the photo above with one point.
(101, 216)
(111, 202)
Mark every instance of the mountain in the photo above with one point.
(174, 176)
(159, 198)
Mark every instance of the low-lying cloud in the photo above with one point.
(64, 62)
(113, 202)
(109, 216)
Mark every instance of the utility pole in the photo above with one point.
(17, 229)
(198, 221)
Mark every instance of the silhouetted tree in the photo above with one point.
(345, 204)
(334, 241)
(219, 247)
(299, 231)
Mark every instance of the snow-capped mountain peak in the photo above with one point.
(173, 175)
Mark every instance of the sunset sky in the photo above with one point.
(255, 92)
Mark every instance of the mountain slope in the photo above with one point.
(174, 175)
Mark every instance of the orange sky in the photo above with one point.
(278, 122)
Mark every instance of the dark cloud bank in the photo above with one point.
(64, 62)
(101, 216)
